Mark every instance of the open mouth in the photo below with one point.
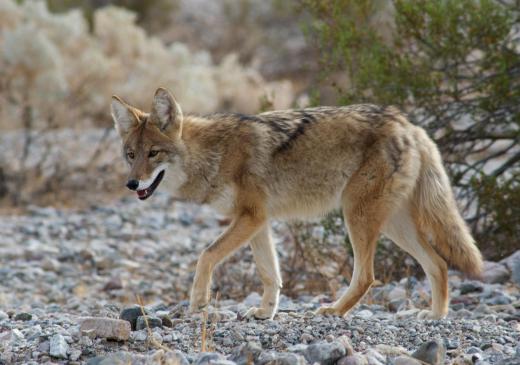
(146, 193)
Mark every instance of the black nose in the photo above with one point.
(132, 184)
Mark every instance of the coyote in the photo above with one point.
(383, 172)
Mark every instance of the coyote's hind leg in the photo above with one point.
(402, 230)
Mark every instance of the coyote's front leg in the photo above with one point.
(243, 227)
(267, 266)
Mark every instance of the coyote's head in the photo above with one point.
(151, 141)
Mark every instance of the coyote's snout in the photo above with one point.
(383, 172)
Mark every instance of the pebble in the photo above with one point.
(58, 347)
(355, 359)
(495, 273)
(23, 316)
(76, 254)
(149, 321)
(432, 352)
(326, 353)
(406, 360)
(109, 328)
(131, 314)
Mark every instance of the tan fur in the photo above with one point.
(382, 171)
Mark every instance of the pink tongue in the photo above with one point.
(141, 193)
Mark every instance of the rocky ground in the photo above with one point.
(70, 281)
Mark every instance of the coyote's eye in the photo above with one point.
(130, 155)
(153, 153)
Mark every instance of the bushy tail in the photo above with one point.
(438, 215)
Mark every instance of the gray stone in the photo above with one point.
(116, 358)
(511, 260)
(246, 353)
(397, 293)
(153, 322)
(515, 270)
(470, 287)
(355, 359)
(364, 314)
(131, 314)
(406, 360)
(109, 328)
(284, 358)
(139, 335)
(23, 316)
(324, 352)
(58, 347)
(175, 357)
(347, 345)
(3, 315)
(432, 352)
(495, 273)
(208, 358)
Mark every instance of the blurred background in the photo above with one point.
(452, 65)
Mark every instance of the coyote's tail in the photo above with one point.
(438, 215)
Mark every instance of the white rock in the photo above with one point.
(365, 314)
(397, 293)
(58, 347)
(495, 273)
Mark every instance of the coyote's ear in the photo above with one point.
(123, 117)
(166, 113)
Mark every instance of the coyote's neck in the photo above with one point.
(200, 161)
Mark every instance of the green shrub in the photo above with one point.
(454, 66)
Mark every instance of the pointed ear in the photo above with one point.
(124, 119)
(166, 112)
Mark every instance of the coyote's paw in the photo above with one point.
(198, 306)
(328, 311)
(428, 314)
(259, 313)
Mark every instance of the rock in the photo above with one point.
(116, 358)
(432, 352)
(131, 314)
(364, 314)
(345, 342)
(397, 293)
(407, 313)
(23, 316)
(114, 283)
(495, 273)
(515, 270)
(139, 335)
(3, 315)
(470, 287)
(324, 352)
(406, 360)
(208, 358)
(374, 357)
(175, 357)
(166, 320)
(356, 359)
(109, 328)
(58, 347)
(246, 353)
(152, 321)
(283, 358)
(511, 260)
(75, 355)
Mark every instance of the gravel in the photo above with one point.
(70, 281)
